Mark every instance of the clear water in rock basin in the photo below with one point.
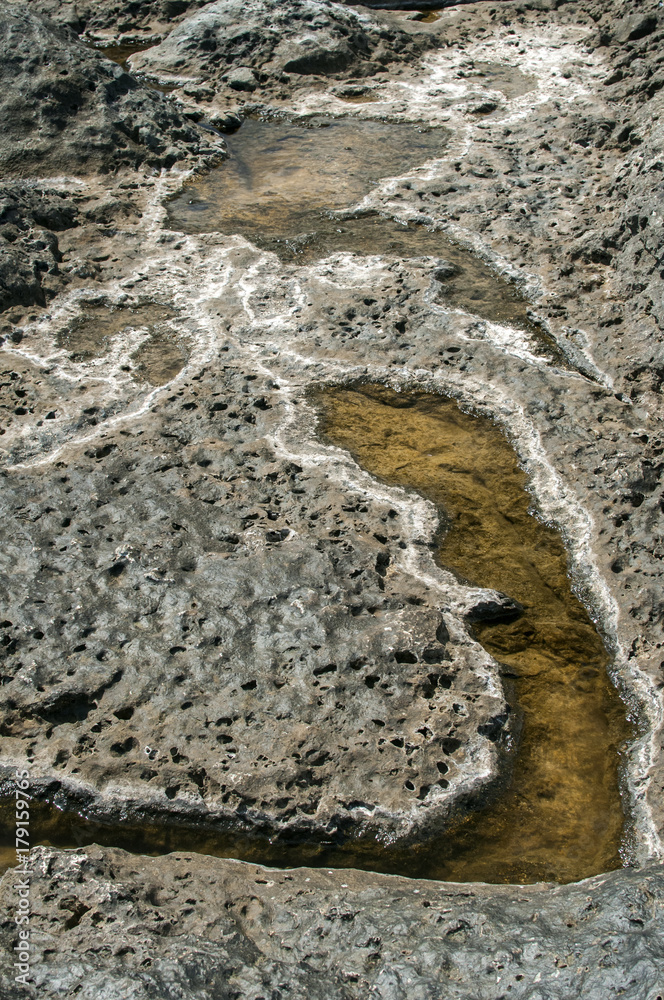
(120, 53)
(281, 175)
(558, 814)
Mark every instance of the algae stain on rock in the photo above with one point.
(560, 817)
(509, 80)
(89, 334)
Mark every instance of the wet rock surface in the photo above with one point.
(229, 929)
(209, 612)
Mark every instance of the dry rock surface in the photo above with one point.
(264, 41)
(213, 617)
(107, 20)
(67, 109)
(126, 926)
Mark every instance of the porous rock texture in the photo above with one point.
(188, 579)
(269, 40)
(29, 220)
(106, 20)
(130, 927)
(67, 109)
(210, 614)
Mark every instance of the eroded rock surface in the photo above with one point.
(106, 19)
(29, 221)
(67, 109)
(144, 927)
(264, 42)
(219, 599)
(213, 616)
(227, 316)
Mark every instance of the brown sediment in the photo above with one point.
(281, 175)
(561, 816)
(509, 80)
(358, 98)
(89, 334)
(159, 358)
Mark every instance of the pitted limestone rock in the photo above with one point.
(202, 928)
(239, 616)
(302, 38)
(585, 157)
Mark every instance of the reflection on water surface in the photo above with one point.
(285, 188)
(560, 817)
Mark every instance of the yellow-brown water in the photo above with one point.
(561, 816)
(558, 815)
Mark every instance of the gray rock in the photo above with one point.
(302, 37)
(634, 27)
(108, 924)
(67, 109)
(242, 78)
(307, 624)
(29, 219)
(167, 583)
(105, 19)
(22, 265)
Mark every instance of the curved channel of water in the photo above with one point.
(560, 816)
(556, 815)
